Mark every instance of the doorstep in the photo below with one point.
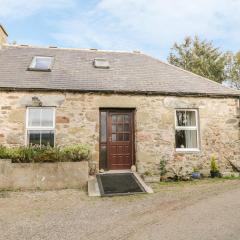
(94, 190)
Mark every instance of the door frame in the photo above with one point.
(108, 110)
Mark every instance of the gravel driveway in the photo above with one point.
(205, 210)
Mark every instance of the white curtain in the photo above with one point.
(191, 138)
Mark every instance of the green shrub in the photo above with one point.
(162, 168)
(3, 152)
(214, 166)
(73, 153)
(76, 152)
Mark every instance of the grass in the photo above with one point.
(231, 177)
(169, 186)
(4, 193)
(157, 188)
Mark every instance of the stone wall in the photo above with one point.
(77, 121)
(46, 176)
(3, 36)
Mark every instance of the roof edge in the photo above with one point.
(72, 49)
(4, 30)
(153, 93)
(192, 73)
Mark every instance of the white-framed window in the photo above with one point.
(41, 63)
(186, 130)
(40, 126)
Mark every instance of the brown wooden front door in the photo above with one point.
(116, 149)
(119, 139)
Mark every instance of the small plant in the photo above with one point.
(196, 174)
(177, 173)
(195, 169)
(163, 169)
(214, 168)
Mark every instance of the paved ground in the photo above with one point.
(205, 210)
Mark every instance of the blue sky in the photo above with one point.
(151, 26)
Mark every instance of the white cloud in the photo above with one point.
(153, 25)
(163, 21)
(149, 25)
(23, 8)
(90, 32)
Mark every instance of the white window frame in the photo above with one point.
(188, 128)
(45, 128)
(33, 64)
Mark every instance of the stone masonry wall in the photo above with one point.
(77, 121)
(3, 36)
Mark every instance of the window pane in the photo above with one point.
(126, 118)
(120, 118)
(47, 138)
(119, 137)
(186, 139)
(126, 137)
(180, 118)
(119, 128)
(186, 118)
(114, 137)
(103, 127)
(114, 118)
(34, 137)
(47, 117)
(126, 127)
(34, 117)
(114, 128)
(103, 157)
(43, 62)
(190, 118)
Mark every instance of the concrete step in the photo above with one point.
(93, 189)
(147, 188)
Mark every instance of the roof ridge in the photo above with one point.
(187, 71)
(70, 49)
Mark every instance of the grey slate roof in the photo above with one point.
(129, 72)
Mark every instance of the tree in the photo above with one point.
(199, 57)
(232, 69)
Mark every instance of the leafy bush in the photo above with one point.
(3, 152)
(76, 152)
(73, 153)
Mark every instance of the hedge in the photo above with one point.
(31, 154)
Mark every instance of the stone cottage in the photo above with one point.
(130, 108)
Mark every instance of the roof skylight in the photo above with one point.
(41, 63)
(101, 63)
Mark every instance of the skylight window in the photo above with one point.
(41, 63)
(101, 63)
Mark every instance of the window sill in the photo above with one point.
(187, 150)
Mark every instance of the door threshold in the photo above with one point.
(116, 171)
